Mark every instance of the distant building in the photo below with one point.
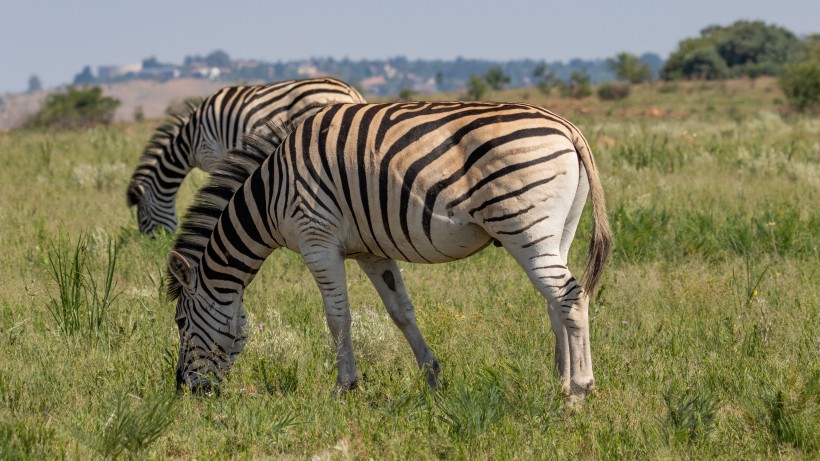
(159, 73)
(308, 70)
(211, 73)
(373, 84)
(112, 72)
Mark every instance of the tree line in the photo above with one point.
(744, 49)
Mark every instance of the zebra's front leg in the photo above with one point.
(385, 276)
(328, 269)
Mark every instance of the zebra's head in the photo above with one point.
(151, 212)
(212, 333)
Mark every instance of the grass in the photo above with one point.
(130, 430)
(83, 302)
(704, 332)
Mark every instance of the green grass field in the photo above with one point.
(705, 333)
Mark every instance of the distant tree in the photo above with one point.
(85, 77)
(153, 63)
(189, 60)
(476, 88)
(706, 64)
(218, 58)
(439, 80)
(496, 78)
(540, 69)
(628, 67)
(754, 48)
(77, 108)
(655, 63)
(812, 44)
(578, 86)
(544, 77)
(406, 94)
(745, 48)
(34, 84)
(800, 83)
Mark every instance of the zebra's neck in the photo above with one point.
(167, 158)
(244, 235)
(233, 203)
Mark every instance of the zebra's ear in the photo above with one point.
(135, 194)
(180, 269)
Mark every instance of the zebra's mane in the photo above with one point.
(202, 216)
(160, 141)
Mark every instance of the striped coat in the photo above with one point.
(418, 182)
(202, 138)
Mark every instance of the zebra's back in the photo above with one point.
(430, 182)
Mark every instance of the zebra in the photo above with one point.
(203, 137)
(417, 182)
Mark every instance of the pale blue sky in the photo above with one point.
(55, 39)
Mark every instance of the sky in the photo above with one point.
(55, 39)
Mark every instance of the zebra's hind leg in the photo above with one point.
(328, 269)
(385, 276)
(562, 359)
(567, 306)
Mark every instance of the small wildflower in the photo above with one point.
(754, 293)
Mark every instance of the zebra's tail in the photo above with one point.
(600, 243)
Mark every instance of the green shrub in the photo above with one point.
(613, 91)
(77, 108)
(800, 83)
(476, 88)
(629, 68)
(496, 78)
(578, 86)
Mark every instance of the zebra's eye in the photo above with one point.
(181, 322)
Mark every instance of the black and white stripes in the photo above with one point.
(203, 137)
(419, 182)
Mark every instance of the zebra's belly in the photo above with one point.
(448, 240)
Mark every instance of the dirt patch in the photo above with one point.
(152, 97)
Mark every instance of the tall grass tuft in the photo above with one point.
(83, 302)
(745, 288)
(131, 430)
(690, 415)
(20, 440)
(654, 152)
(282, 379)
(788, 425)
(471, 411)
